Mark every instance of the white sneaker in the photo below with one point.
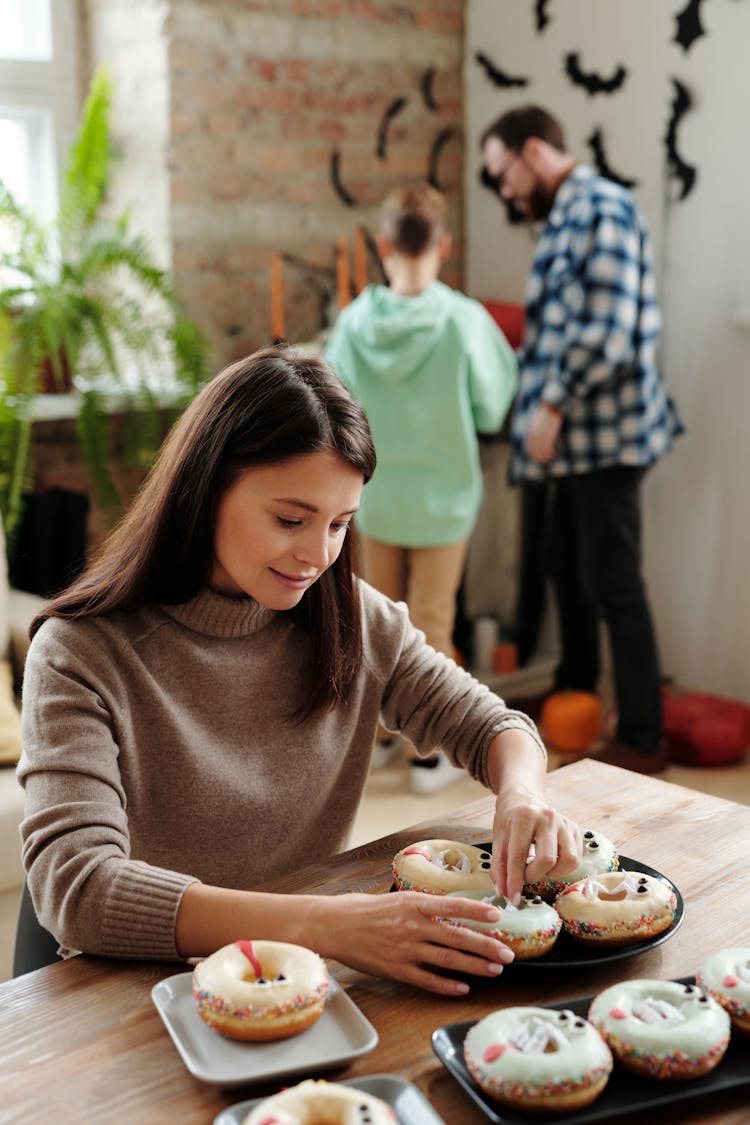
(429, 775)
(384, 751)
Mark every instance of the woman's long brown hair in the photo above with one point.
(275, 404)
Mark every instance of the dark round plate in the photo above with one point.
(569, 954)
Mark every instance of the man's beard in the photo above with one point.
(539, 203)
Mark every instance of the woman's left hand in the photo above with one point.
(522, 818)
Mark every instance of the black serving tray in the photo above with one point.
(625, 1094)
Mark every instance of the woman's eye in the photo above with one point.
(340, 527)
(288, 523)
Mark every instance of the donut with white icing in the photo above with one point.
(616, 908)
(259, 990)
(538, 1059)
(530, 929)
(317, 1102)
(661, 1028)
(726, 977)
(598, 855)
(441, 866)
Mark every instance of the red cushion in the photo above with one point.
(706, 730)
(510, 318)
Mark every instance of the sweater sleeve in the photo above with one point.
(86, 888)
(493, 369)
(428, 697)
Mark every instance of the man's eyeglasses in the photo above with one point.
(497, 182)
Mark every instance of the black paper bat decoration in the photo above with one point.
(345, 196)
(596, 144)
(426, 87)
(382, 138)
(678, 169)
(437, 146)
(512, 213)
(496, 76)
(591, 82)
(689, 26)
(540, 11)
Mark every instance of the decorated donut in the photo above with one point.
(538, 1059)
(442, 866)
(662, 1028)
(726, 977)
(321, 1103)
(598, 856)
(260, 989)
(529, 929)
(617, 908)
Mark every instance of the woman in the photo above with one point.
(199, 706)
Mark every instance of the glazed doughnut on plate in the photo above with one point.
(538, 1059)
(441, 866)
(726, 977)
(599, 855)
(529, 929)
(258, 990)
(321, 1103)
(616, 908)
(661, 1028)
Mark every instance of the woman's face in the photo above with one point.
(279, 527)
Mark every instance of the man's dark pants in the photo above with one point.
(594, 556)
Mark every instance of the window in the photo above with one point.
(38, 97)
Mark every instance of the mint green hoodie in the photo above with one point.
(430, 371)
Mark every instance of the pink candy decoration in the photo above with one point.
(618, 1014)
(246, 947)
(419, 851)
(494, 1052)
(731, 981)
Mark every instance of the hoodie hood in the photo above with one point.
(394, 336)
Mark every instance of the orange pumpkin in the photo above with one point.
(571, 720)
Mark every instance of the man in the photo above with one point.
(592, 413)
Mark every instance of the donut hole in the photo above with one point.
(454, 860)
(613, 896)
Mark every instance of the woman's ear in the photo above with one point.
(445, 245)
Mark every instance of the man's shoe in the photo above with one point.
(430, 775)
(631, 758)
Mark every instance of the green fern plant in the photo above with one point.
(83, 298)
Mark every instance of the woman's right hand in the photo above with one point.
(402, 936)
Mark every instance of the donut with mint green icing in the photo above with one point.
(530, 928)
(662, 1028)
(538, 1059)
(598, 854)
(726, 977)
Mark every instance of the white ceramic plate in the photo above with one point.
(341, 1033)
(410, 1105)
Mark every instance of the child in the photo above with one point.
(200, 705)
(431, 368)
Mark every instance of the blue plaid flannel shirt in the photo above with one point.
(591, 330)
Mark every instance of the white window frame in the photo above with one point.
(48, 90)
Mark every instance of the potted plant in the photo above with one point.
(83, 304)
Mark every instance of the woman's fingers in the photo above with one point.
(532, 842)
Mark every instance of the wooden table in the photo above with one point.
(81, 1042)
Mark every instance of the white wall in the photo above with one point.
(697, 526)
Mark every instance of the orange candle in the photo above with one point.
(342, 271)
(360, 260)
(277, 299)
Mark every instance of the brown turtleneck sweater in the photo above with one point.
(158, 751)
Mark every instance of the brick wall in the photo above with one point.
(267, 100)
